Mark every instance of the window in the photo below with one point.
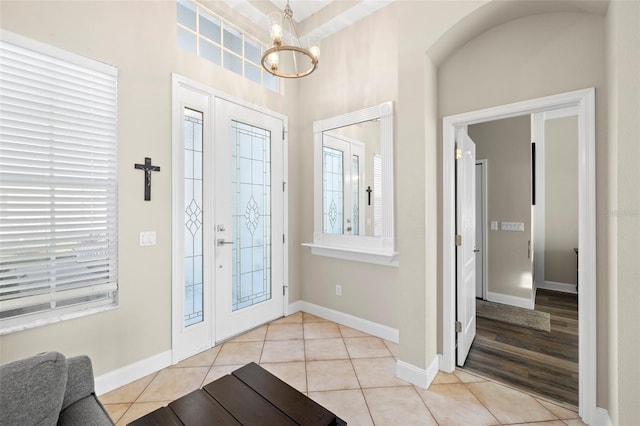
(58, 184)
(341, 195)
(203, 33)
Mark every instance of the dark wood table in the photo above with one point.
(248, 396)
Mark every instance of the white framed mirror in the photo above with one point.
(353, 186)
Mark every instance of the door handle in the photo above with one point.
(222, 242)
(476, 250)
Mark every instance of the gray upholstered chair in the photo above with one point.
(50, 389)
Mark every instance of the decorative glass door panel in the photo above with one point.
(333, 190)
(193, 224)
(355, 196)
(250, 215)
(249, 219)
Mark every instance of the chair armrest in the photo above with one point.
(80, 383)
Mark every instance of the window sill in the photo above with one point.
(377, 256)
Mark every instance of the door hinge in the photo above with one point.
(284, 288)
(284, 184)
(283, 239)
(283, 133)
(458, 153)
(458, 240)
(458, 327)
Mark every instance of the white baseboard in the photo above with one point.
(521, 302)
(563, 287)
(417, 376)
(602, 417)
(132, 372)
(366, 326)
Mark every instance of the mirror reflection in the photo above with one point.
(352, 180)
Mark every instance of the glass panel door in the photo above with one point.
(251, 215)
(249, 249)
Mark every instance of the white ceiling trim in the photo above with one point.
(349, 17)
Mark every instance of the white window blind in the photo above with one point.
(58, 184)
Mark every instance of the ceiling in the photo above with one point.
(313, 18)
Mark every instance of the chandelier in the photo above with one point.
(288, 60)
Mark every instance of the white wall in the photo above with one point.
(506, 144)
(561, 199)
(623, 213)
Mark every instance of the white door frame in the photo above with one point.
(484, 195)
(584, 101)
(177, 247)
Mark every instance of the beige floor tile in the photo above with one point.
(284, 332)
(453, 404)
(549, 423)
(290, 319)
(397, 406)
(172, 383)
(349, 405)
(218, 371)
(466, 377)
(233, 353)
(203, 359)
(116, 410)
(140, 409)
(366, 347)
(559, 412)
(394, 348)
(509, 405)
(127, 393)
(255, 335)
(351, 332)
(443, 377)
(282, 351)
(574, 422)
(377, 372)
(293, 373)
(331, 375)
(321, 330)
(323, 349)
(312, 318)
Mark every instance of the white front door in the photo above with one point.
(466, 236)
(249, 218)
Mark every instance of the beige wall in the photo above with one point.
(561, 199)
(536, 56)
(623, 213)
(368, 290)
(506, 145)
(140, 39)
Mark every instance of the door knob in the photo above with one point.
(222, 242)
(476, 250)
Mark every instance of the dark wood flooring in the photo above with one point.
(545, 363)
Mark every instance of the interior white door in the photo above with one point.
(465, 253)
(249, 228)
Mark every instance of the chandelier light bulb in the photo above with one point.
(298, 61)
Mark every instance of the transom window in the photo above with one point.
(207, 35)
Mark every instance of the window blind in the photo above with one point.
(58, 183)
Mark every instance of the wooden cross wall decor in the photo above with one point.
(148, 168)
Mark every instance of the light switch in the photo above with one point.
(148, 238)
(494, 225)
(513, 226)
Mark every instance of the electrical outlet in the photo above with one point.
(338, 290)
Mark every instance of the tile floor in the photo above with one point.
(349, 372)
